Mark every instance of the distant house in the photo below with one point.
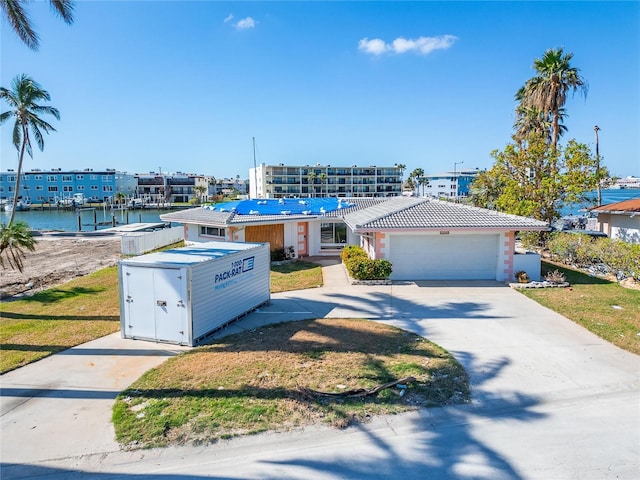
(424, 239)
(620, 220)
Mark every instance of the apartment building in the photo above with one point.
(448, 184)
(55, 185)
(280, 181)
(176, 187)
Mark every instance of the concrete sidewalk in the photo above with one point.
(60, 406)
(549, 400)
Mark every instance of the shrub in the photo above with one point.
(367, 269)
(361, 267)
(618, 257)
(555, 277)
(351, 251)
(281, 254)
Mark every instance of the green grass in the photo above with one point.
(295, 276)
(87, 308)
(605, 308)
(251, 382)
(53, 320)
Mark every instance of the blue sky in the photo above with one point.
(184, 86)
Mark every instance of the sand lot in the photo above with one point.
(59, 259)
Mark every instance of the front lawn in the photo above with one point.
(605, 308)
(257, 381)
(87, 308)
(53, 320)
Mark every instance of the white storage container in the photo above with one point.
(184, 295)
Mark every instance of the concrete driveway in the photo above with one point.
(549, 401)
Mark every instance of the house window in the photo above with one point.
(52, 178)
(93, 177)
(79, 177)
(67, 178)
(94, 187)
(107, 188)
(212, 231)
(67, 188)
(80, 187)
(39, 187)
(37, 177)
(333, 235)
(52, 188)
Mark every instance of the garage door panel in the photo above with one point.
(443, 257)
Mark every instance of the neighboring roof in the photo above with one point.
(257, 211)
(367, 214)
(626, 206)
(421, 213)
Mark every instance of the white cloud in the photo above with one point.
(374, 46)
(245, 23)
(421, 45)
(229, 18)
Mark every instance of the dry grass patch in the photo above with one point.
(250, 383)
(56, 319)
(295, 276)
(605, 308)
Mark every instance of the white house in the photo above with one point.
(620, 220)
(425, 239)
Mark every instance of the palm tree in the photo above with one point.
(311, 178)
(323, 178)
(402, 167)
(201, 190)
(15, 13)
(23, 98)
(14, 238)
(424, 181)
(547, 91)
(416, 177)
(532, 119)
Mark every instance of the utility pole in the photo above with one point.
(455, 179)
(596, 129)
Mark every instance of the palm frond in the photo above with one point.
(17, 17)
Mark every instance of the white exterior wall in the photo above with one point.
(625, 227)
(527, 262)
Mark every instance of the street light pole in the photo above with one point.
(596, 129)
(455, 179)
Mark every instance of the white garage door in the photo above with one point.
(443, 257)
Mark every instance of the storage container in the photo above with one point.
(184, 295)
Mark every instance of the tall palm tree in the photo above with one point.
(323, 178)
(23, 98)
(311, 178)
(416, 176)
(402, 168)
(15, 13)
(531, 119)
(423, 181)
(547, 91)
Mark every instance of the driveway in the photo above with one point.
(549, 401)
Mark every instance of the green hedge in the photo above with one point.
(361, 267)
(584, 251)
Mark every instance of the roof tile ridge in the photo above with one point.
(488, 210)
(414, 202)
